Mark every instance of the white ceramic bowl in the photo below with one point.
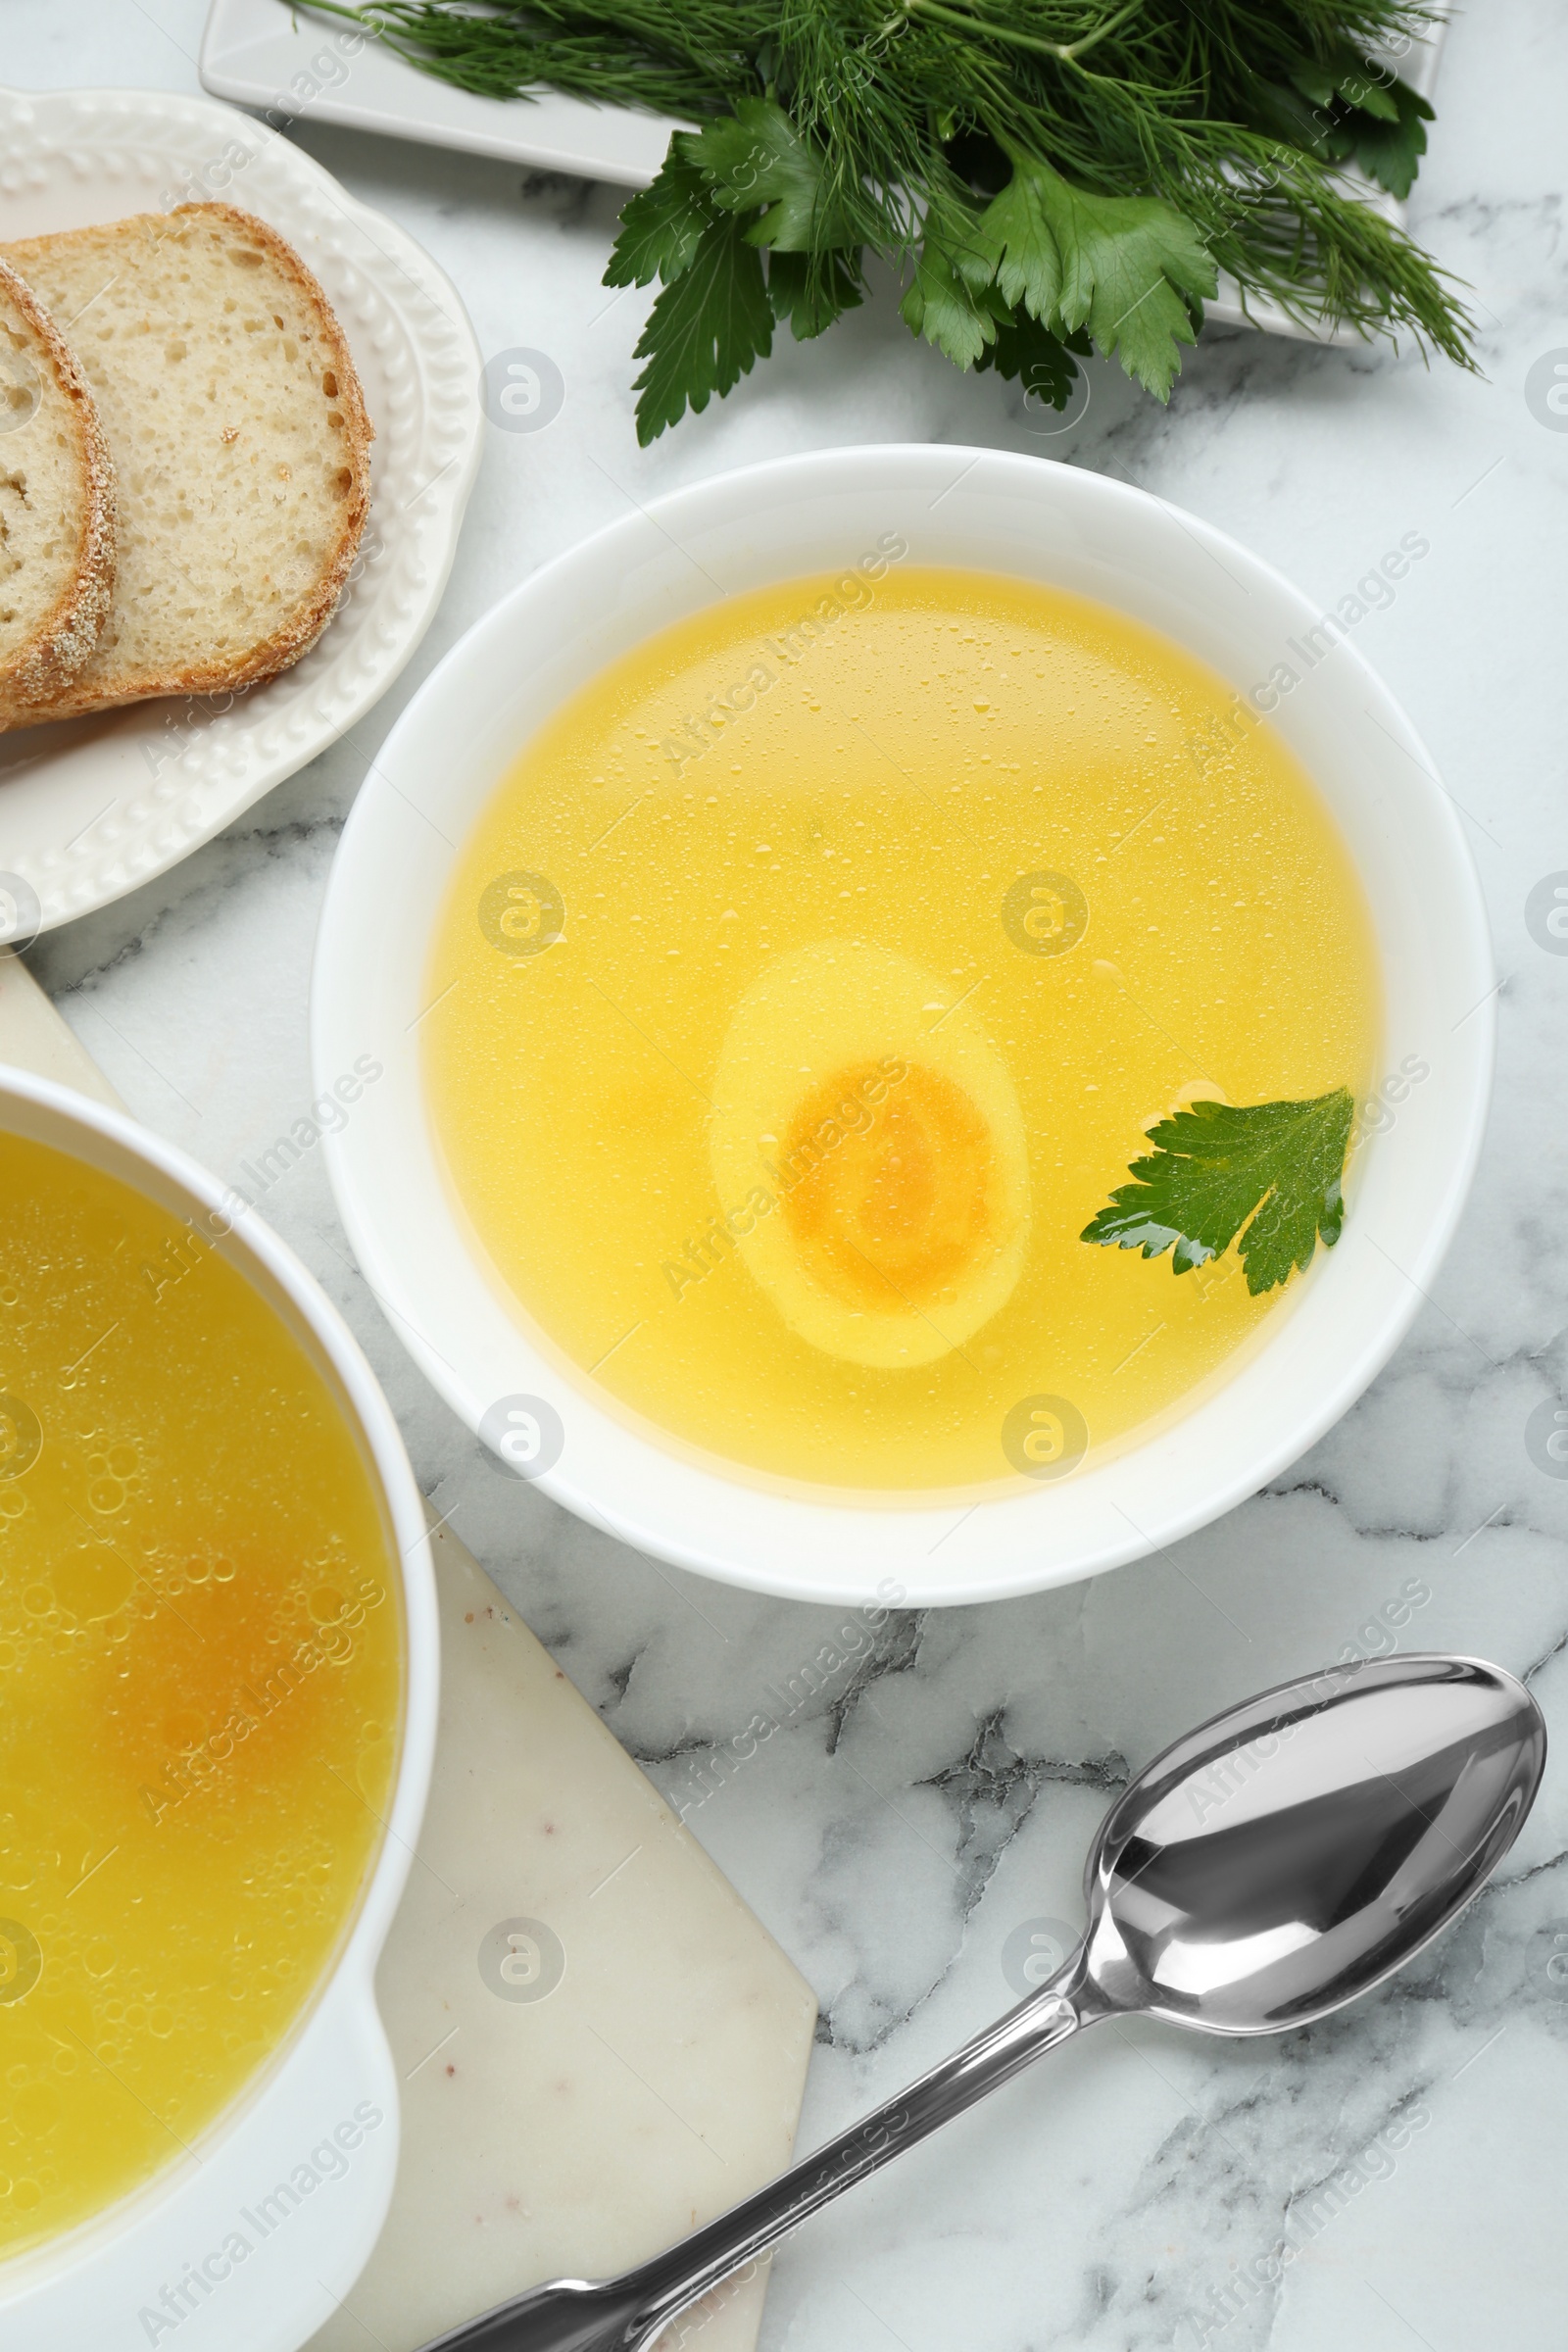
(1043, 521)
(93, 2289)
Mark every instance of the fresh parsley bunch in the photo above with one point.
(1047, 176)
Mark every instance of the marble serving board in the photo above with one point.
(600, 2046)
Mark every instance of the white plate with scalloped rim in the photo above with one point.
(92, 807)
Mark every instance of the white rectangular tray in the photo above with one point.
(274, 58)
(264, 54)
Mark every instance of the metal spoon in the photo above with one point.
(1267, 1868)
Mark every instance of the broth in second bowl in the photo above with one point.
(201, 1687)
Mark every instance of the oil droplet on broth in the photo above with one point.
(188, 1814)
(677, 1156)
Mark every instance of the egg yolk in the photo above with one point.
(897, 1209)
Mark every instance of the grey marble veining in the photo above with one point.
(1393, 2178)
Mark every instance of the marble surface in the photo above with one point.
(902, 1829)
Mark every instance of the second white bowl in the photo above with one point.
(325, 2103)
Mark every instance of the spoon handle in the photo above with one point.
(620, 2315)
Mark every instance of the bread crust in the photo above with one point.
(289, 643)
(43, 668)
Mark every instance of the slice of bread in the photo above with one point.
(57, 509)
(239, 437)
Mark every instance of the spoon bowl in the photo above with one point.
(1274, 1865)
(1287, 1857)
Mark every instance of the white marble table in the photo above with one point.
(928, 1804)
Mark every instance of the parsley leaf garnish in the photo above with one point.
(757, 157)
(1043, 362)
(1131, 269)
(704, 329)
(1341, 111)
(810, 298)
(943, 304)
(1389, 152)
(698, 229)
(661, 226)
(1276, 1169)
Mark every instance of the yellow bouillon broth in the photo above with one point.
(808, 984)
(200, 1686)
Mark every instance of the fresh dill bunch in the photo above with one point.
(679, 57)
(1047, 176)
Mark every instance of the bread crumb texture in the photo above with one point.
(56, 508)
(240, 442)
